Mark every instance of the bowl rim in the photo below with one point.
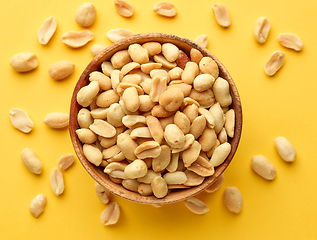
(94, 171)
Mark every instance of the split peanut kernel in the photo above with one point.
(196, 206)
(38, 205)
(274, 63)
(165, 9)
(24, 62)
(124, 8)
(261, 29)
(221, 14)
(290, 40)
(21, 120)
(47, 30)
(77, 39)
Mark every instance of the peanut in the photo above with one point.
(85, 15)
(233, 199)
(274, 63)
(47, 30)
(221, 14)
(38, 205)
(124, 8)
(263, 167)
(165, 9)
(196, 206)
(24, 62)
(65, 161)
(31, 161)
(290, 40)
(285, 149)
(21, 120)
(261, 29)
(56, 120)
(102, 193)
(111, 214)
(77, 39)
(57, 181)
(117, 34)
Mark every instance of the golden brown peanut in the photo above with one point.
(233, 199)
(153, 48)
(191, 111)
(195, 55)
(31, 161)
(131, 184)
(189, 140)
(65, 161)
(216, 185)
(148, 67)
(175, 73)
(103, 80)
(182, 59)
(222, 136)
(97, 48)
(221, 90)
(202, 167)
(230, 122)
(24, 62)
(207, 139)
(196, 206)
(57, 181)
(170, 51)
(176, 177)
(221, 14)
(138, 53)
(205, 98)
(191, 71)
(127, 145)
(186, 88)
(131, 99)
(106, 98)
(110, 152)
(198, 126)
(181, 120)
(274, 63)
(148, 149)
(124, 8)
(146, 104)
(261, 29)
(140, 132)
(191, 154)
(136, 169)
(165, 9)
(47, 30)
(211, 151)
(285, 149)
(145, 189)
(56, 120)
(102, 193)
(174, 136)
(107, 68)
(93, 154)
(21, 120)
(111, 214)
(165, 63)
(209, 66)
(159, 187)
(218, 115)
(116, 166)
(115, 35)
(131, 121)
(263, 167)
(86, 14)
(220, 154)
(116, 77)
(120, 58)
(203, 82)
(102, 128)
(149, 177)
(158, 86)
(290, 40)
(155, 128)
(172, 166)
(84, 118)
(38, 205)
(202, 40)
(193, 179)
(171, 99)
(132, 78)
(160, 162)
(77, 39)
(210, 120)
(86, 94)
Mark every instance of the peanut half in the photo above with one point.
(77, 39)
(261, 29)
(124, 8)
(61, 70)
(24, 62)
(233, 199)
(221, 14)
(285, 149)
(117, 34)
(196, 206)
(111, 214)
(56, 120)
(274, 63)
(165, 9)
(263, 167)
(47, 30)
(21, 120)
(290, 40)
(57, 181)
(31, 161)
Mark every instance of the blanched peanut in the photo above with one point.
(185, 88)
(198, 126)
(140, 132)
(56, 120)
(170, 52)
(47, 30)
(116, 166)
(21, 120)
(262, 166)
(149, 176)
(285, 149)
(124, 8)
(195, 55)
(86, 94)
(175, 73)
(136, 169)
(207, 139)
(221, 90)
(24, 62)
(138, 53)
(191, 111)
(110, 152)
(158, 86)
(202, 167)
(127, 145)
(172, 166)
(148, 67)
(103, 80)
(190, 72)
(290, 40)
(205, 98)
(233, 199)
(117, 34)
(209, 66)
(155, 128)
(174, 136)
(65, 161)
(107, 68)
(165, 63)
(131, 99)
(216, 185)
(111, 214)
(84, 118)
(153, 48)
(203, 82)
(160, 162)
(131, 184)
(159, 187)
(106, 98)
(210, 120)
(196, 206)
(116, 77)
(230, 122)
(261, 29)
(189, 140)
(191, 154)
(202, 40)
(182, 121)
(77, 39)
(221, 14)
(131, 121)
(132, 78)
(93, 154)
(97, 48)
(165, 9)
(222, 136)
(171, 99)
(220, 154)
(85, 15)
(146, 104)
(120, 58)
(274, 63)
(211, 151)
(217, 113)
(38, 205)
(102, 193)
(176, 177)
(193, 179)
(145, 189)
(103, 128)
(31, 161)
(148, 149)
(57, 181)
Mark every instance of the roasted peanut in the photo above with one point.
(124, 8)
(77, 39)
(56, 120)
(210, 120)
(120, 58)
(203, 82)
(170, 51)
(47, 30)
(196, 206)
(221, 90)
(207, 139)
(103, 80)
(193, 179)
(216, 185)
(205, 98)
(86, 94)
(165, 9)
(117, 34)
(189, 140)
(31, 161)
(285, 149)
(148, 149)
(202, 167)
(159, 187)
(261, 29)
(145, 189)
(138, 53)
(38, 205)
(208, 66)
(202, 40)
(230, 122)
(165, 63)
(195, 55)
(191, 71)
(290, 40)
(191, 154)
(153, 48)
(160, 162)
(131, 99)
(131, 184)
(155, 128)
(107, 68)
(263, 167)
(136, 169)
(85, 15)
(21, 120)
(176, 177)
(233, 199)
(127, 145)
(131, 121)
(274, 63)
(220, 154)
(218, 115)
(57, 181)
(146, 104)
(221, 14)
(174, 136)
(24, 62)
(171, 99)
(182, 121)
(102, 193)
(175, 73)
(84, 118)
(111, 214)
(65, 161)
(93, 154)
(97, 48)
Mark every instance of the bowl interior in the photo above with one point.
(97, 172)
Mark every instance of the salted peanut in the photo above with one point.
(129, 67)
(158, 86)
(153, 48)
(261, 29)
(195, 55)
(174, 136)
(127, 145)
(115, 35)
(148, 177)
(77, 39)
(124, 8)
(130, 184)
(147, 149)
(207, 139)
(99, 113)
(176, 177)
(203, 82)
(185, 88)
(202, 40)
(198, 125)
(222, 136)
(97, 48)
(175, 73)
(108, 142)
(217, 113)
(210, 120)
(131, 120)
(191, 111)
(107, 68)
(31, 161)
(220, 154)
(138, 53)
(170, 51)
(221, 14)
(160, 112)
(189, 140)
(182, 60)
(159, 187)
(165, 63)
(285, 149)
(116, 158)
(84, 118)
(57, 181)
(65, 161)
(146, 104)
(182, 121)
(116, 170)
(102, 193)
(93, 154)
(140, 132)
(132, 78)
(290, 40)
(165, 9)
(86, 14)
(171, 99)
(47, 30)
(116, 77)
(106, 98)
(211, 151)
(161, 73)
(145, 189)
(205, 98)
(110, 152)
(21, 120)
(221, 90)
(103, 128)
(193, 179)
(233, 199)
(116, 180)
(86, 94)
(120, 58)
(155, 128)
(160, 162)
(131, 99)
(230, 122)
(189, 101)
(216, 185)
(148, 67)
(56, 120)
(146, 85)
(37, 205)
(172, 166)
(191, 154)
(24, 62)
(136, 169)
(103, 80)
(196, 206)
(191, 71)
(209, 66)
(202, 167)
(274, 63)
(111, 214)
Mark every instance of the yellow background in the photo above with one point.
(283, 105)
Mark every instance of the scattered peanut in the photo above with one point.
(117, 34)
(97, 48)
(24, 62)
(111, 214)
(102, 193)
(196, 206)
(261, 29)
(290, 40)
(57, 181)
(65, 161)
(274, 63)
(201, 40)
(216, 185)
(61, 70)
(47, 30)
(285, 149)
(124, 8)
(165, 9)
(86, 14)
(221, 14)
(38, 205)
(77, 39)
(21, 120)
(31, 161)
(233, 199)
(262, 166)
(56, 120)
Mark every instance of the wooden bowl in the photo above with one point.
(97, 172)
